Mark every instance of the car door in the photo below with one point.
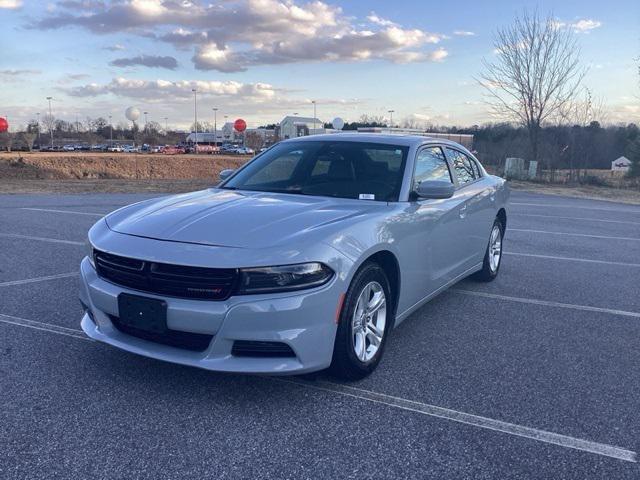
(476, 210)
(436, 243)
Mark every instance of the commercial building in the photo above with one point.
(293, 126)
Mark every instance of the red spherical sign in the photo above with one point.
(240, 125)
(4, 125)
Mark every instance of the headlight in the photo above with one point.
(283, 278)
(89, 252)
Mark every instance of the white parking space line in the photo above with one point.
(606, 237)
(587, 219)
(473, 420)
(560, 205)
(403, 404)
(572, 259)
(40, 239)
(545, 303)
(38, 279)
(46, 327)
(72, 212)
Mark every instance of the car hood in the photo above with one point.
(240, 219)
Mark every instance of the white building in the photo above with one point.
(622, 164)
(294, 126)
(224, 134)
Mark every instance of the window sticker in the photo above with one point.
(367, 196)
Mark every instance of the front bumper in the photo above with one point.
(305, 321)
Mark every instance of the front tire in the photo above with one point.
(364, 324)
(493, 254)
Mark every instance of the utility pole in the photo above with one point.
(391, 118)
(51, 121)
(314, 115)
(166, 125)
(195, 114)
(110, 132)
(145, 120)
(215, 126)
(38, 125)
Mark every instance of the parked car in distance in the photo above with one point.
(243, 151)
(69, 148)
(304, 259)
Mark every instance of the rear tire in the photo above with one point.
(493, 254)
(364, 324)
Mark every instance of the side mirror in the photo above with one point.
(435, 189)
(226, 173)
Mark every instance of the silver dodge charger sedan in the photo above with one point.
(303, 259)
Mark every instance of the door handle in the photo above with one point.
(463, 211)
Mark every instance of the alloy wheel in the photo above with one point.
(495, 248)
(369, 321)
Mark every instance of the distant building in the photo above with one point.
(227, 134)
(266, 135)
(224, 134)
(622, 164)
(294, 126)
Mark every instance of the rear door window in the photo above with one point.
(465, 167)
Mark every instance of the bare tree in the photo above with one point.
(584, 110)
(253, 140)
(28, 138)
(535, 74)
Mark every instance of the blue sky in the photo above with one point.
(263, 59)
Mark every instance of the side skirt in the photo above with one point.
(417, 305)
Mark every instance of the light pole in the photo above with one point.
(51, 121)
(215, 126)
(195, 114)
(166, 125)
(391, 117)
(38, 125)
(145, 120)
(110, 132)
(314, 116)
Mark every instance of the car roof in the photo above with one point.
(387, 139)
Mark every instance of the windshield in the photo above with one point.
(360, 170)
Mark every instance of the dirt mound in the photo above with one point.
(70, 165)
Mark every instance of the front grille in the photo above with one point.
(246, 348)
(196, 342)
(164, 279)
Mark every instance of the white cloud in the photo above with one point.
(463, 33)
(10, 4)
(373, 18)
(234, 35)
(162, 89)
(114, 48)
(585, 25)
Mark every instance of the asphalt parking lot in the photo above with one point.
(536, 375)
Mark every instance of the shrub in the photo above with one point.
(593, 180)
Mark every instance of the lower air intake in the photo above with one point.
(246, 348)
